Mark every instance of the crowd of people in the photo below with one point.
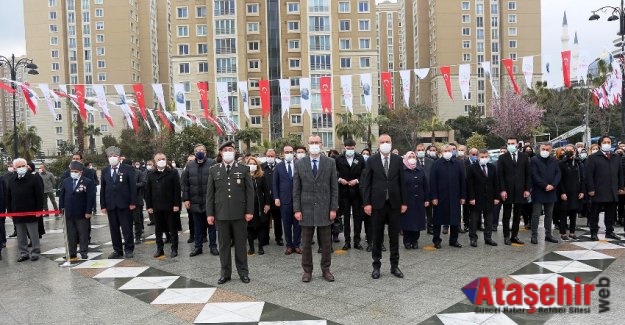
(233, 201)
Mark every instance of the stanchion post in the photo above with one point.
(67, 262)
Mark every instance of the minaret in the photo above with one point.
(574, 57)
(565, 33)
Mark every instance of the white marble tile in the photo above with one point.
(90, 256)
(597, 245)
(98, 226)
(523, 306)
(296, 322)
(600, 236)
(55, 251)
(566, 266)
(121, 272)
(98, 264)
(54, 231)
(539, 279)
(584, 255)
(230, 312)
(151, 282)
(474, 318)
(184, 296)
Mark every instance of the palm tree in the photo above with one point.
(435, 124)
(29, 142)
(248, 135)
(349, 127)
(367, 120)
(91, 131)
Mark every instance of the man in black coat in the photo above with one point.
(515, 181)
(384, 199)
(604, 180)
(137, 214)
(118, 197)
(349, 166)
(274, 212)
(25, 194)
(163, 201)
(425, 160)
(194, 180)
(545, 179)
(483, 195)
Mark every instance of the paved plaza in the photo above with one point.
(184, 290)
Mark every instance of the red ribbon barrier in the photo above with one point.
(29, 213)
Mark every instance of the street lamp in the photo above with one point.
(13, 67)
(618, 13)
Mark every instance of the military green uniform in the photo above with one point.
(230, 196)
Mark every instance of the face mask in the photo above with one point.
(433, 154)
(300, 155)
(228, 156)
(314, 149)
(173, 164)
(253, 168)
(365, 157)
(461, 153)
(512, 148)
(385, 148)
(271, 160)
(349, 153)
(453, 152)
(484, 161)
(473, 159)
(200, 155)
(289, 157)
(137, 166)
(113, 161)
(161, 163)
(74, 175)
(149, 167)
(583, 155)
(569, 154)
(544, 153)
(22, 171)
(11, 169)
(420, 154)
(593, 151)
(605, 147)
(412, 161)
(447, 155)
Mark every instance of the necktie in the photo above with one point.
(484, 170)
(289, 170)
(514, 157)
(114, 174)
(315, 167)
(386, 166)
(228, 169)
(75, 183)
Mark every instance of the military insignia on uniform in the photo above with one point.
(121, 177)
(355, 162)
(238, 181)
(80, 188)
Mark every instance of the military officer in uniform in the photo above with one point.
(230, 205)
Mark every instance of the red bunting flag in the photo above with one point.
(566, 68)
(6, 87)
(80, 98)
(325, 88)
(140, 97)
(163, 119)
(28, 96)
(446, 72)
(388, 87)
(507, 63)
(202, 87)
(135, 120)
(265, 95)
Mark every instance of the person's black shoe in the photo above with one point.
(151, 223)
(34, 258)
(174, 252)
(23, 258)
(437, 245)
(358, 246)
(534, 240)
(159, 252)
(196, 252)
(516, 240)
(223, 279)
(130, 255)
(494, 228)
(279, 242)
(397, 272)
(137, 241)
(13, 235)
(375, 274)
(445, 230)
(84, 256)
(347, 246)
(612, 235)
(408, 246)
(261, 251)
(368, 248)
(190, 240)
(564, 237)
(336, 239)
(383, 248)
(551, 239)
(490, 242)
(245, 279)
(480, 228)
(415, 246)
(214, 251)
(456, 244)
(251, 251)
(115, 255)
(3, 245)
(473, 243)
(507, 241)
(319, 250)
(461, 230)
(594, 237)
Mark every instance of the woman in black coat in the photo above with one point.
(257, 227)
(571, 191)
(414, 220)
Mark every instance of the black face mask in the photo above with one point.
(569, 154)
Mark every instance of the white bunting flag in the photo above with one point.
(63, 88)
(616, 69)
(45, 90)
(172, 119)
(151, 112)
(285, 95)
(348, 94)
(304, 89)
(528, 70)
(101, 99)
(245, 97)
(582, 66)
(422, 73)
(404, 75)
(365, 83)
(222, 97)
(464, 79)
(180, 100)
(489, 76)
(158, 92)
(123, 101)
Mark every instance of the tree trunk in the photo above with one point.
(369, 136)
(433, 136)
(80, 134)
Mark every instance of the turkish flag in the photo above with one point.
(163, 119)
(325, 88)
(29, 100)
(566, 68)
(446, 72)
(507, 63)
(388, 87)
(265, 97)
(80, 97)
(135, 120)
(140, 97)
(6, 87)
(202, 87)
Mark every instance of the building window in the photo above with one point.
(100, 51)
(55, 66)
(511, 19)
(466, 57)
(253, 9)
(320, 43)
(101, 76)
(494, 8)
(320, 62)
(465, 5)
(512, 44)
(513, 56)
(466, 44)
(101, 64)
(99, 25)
(201, 30)
(253, 64)
(226, 65)
(293, 26)
(319, 24)
(346, 63)
(345, 44)
(182, 12)
(225, 46)
(512, 31)
(479, 21)
(255, 101)
(59, 130)
(294, 82)
(253, 46)
(511, 5)
(253, 83)
(480, 46)
(364, 43)
(202, 48)
(256, 120)
(466, 19)
(292, 7)
(99, 38)
(466, 31)
(480, 34)
(363, 6)
(495, 48)
(202, 67)
(56, 79)
(53, 28)
(58, 117)
(99, 12)
(183, 68)
(54, 40)
(294, 45)
(54, 54)
(252, 28)
(51, 3)
(344, 25)
(363, 25)
(52, 15)
(344, 7)
(296, 119)
(200, 11)
(365, 62)
(183, 31)
(183, 49)
(320, 120)
(296, 100)
(224, 7)
(494, 22)
(104, 128)
(225, 27)
(294, 64)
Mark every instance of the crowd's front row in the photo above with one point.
(310, 191)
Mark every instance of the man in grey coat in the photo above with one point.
(48, 187)
(315, 202)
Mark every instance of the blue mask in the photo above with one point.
(453, 153)
(473, 159)
(200, 155)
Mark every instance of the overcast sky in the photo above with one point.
(594, 36)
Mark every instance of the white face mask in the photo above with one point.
(253, 168)
(605, 147)
(385, 148)
(148, 167)
(366, 157)
(433, 154)
(512, 148)
(161, 163)
(113, 161)
(74, 175)
(22, 171)
(593, 151)
(228, 156)
(11, 169)
(544, 153)
(447, 155)
(137, 166)
(420, 153)
(484, 161)
(460, 153)
(314, 149)
(583, 155)
(289, 157)
(349, 153)
(271, 160)
(412, 161)
(301, 155)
